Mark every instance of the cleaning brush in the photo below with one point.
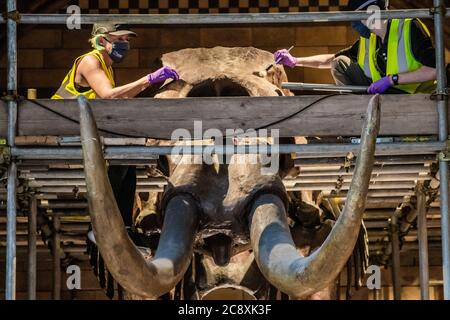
(262, 74)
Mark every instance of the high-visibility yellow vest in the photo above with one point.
(68, 90)
(400, 57)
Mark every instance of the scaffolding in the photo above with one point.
(13, 18)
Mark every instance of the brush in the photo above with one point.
(262, 74)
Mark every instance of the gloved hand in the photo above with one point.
(380, 86)
(162, 75)
(284, 57)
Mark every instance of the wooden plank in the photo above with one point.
(39, 140)
(74, 141)
(147, 117)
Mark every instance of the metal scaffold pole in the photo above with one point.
(224, 18)
(396, 266)
(32, 232)
(11, 29)
(56, 247)
(422, 231)
(439, 14)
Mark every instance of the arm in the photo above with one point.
(94, 75)
(420, 75)
(322, 61)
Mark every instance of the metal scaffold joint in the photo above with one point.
(444, 155)
(12, 15)
(5, 154)
(11, 96)
(440, 95)
(438, 10)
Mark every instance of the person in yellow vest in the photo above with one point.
(92, 76)
(392, 56)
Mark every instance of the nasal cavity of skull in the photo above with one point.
(218, 88)
(219, 246)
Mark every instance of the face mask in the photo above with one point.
(119, 50)
(361, 28)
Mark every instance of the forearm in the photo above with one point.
(322, 61)
(423, 74)
(129, 90)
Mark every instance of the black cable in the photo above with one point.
(78, 122)
(298, 112)
(159, 138)
(100, 129)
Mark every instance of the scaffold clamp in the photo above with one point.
(12, 15)
(5, 154)
(444, 155)
(438, 10)
(12, 96)
(441, 95)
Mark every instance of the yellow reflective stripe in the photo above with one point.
(425, 28)
(373, 58)
(413, 64)
(396, 56)
(363, 56)
(392, 54)
(362, 52)
(409, 57)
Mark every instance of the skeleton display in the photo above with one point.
(228, 225)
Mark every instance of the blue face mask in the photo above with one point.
(119, 50)
(361, 28)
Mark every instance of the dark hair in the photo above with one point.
(364, 4)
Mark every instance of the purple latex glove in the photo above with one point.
(162, 75)
(380, 86)
(284, 57)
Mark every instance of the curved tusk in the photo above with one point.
(147, 278)
(274, 249)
